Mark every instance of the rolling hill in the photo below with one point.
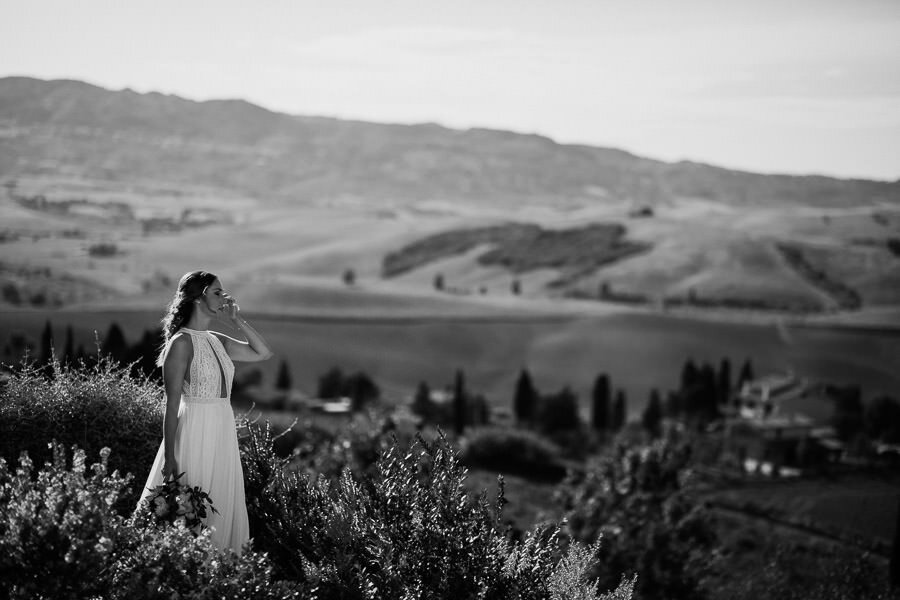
(113, 194)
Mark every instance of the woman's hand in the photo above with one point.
(231, 308)
(170, 468)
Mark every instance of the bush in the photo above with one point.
(409, 531)
(60, 537)
(515, 451)
(638, 500)
(94, 407)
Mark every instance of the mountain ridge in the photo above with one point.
(90, 131)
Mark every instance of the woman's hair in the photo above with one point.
(180, 309)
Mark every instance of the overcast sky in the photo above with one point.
(810, 86)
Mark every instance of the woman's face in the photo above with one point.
(214, 298)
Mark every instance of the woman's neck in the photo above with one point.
(198, 321)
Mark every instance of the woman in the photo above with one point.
(199, 435)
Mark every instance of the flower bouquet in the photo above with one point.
(173, 501)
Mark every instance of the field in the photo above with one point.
(854, 505)
(277, 251)
(639, 351)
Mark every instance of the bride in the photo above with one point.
(199, 435)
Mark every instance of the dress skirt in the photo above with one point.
(206, 448)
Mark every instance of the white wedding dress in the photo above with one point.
(206, 445)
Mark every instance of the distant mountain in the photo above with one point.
(77, 129)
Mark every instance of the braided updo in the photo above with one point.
(181, 307)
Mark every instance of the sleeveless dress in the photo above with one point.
(206, 445)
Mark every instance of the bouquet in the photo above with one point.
(173, 501)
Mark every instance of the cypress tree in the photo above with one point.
(525, 399)
(68, 349)
(651, 418)
(689, 375)
(114, 344)
(895, 555)
(746, 374)
(283, 381)
(619, 411)
(600, 403)
(46, 346)
(723, 381)
(421, 404)
(459, 403)
(709, 408)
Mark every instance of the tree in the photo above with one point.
(46, 355)
(638, 500)
(361, 390)
(349, 277)
(895, 555)
(882, 419)
(283, 381)
(690, 375)
(620, 413)
(723, 382)
(600, 398)
(651, 418)
(331, 384)
(68, 354)
(459, 403)
(708, 397)
(114, 344)
(525, 399)
(746, 374)
(422, 404)
(847, 418)
(559, 412)
(439, 282)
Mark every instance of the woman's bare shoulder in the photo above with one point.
(180, 345)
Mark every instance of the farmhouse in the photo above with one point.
(766, 428)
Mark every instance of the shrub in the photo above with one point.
(411, 530)
(94, 407)
(103, 249)
(516, 451)
(60, 537)
(638, 500)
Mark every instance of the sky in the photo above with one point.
(774, 86)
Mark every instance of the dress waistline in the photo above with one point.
(203, 399)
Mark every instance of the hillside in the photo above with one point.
(148, 186)
(87, 131)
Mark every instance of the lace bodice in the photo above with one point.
(211, 362)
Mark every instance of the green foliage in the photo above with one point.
(94, 407)
(61, 537)
(522, 247)
(559, 412)
(638, 501)
(882, 419)
(401, 525)
(514, 451)
(600, 400)
(283, 380)
(525, 399)
(359, 387)
(410, 530)
(651, 418)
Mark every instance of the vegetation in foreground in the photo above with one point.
(407, 530)
(360, 513)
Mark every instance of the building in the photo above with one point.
(768, 428)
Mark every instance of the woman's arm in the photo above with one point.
(178, 358)
(253, 350)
